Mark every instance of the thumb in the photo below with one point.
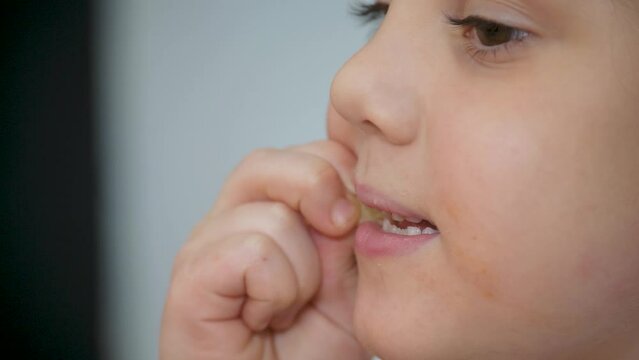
(336, 295)
(336, 257)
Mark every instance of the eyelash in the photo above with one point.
(470, 24)
(375, 11)
(369, 12)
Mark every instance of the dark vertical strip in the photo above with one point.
(48, 243)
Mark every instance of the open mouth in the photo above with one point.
(397, 224)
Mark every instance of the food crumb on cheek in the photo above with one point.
(474, 272)
(452, 211)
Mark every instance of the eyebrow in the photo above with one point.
(535, 9)
(521, 5)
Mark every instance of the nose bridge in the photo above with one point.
(377, 89)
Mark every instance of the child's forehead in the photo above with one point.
(549, 6)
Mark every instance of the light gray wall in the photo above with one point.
(186, 89)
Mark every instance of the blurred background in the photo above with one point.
(120, 121)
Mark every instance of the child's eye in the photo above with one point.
(488, 38)
(493, 34)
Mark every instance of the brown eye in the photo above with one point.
(493, 34)
(485, 37)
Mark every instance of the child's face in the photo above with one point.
(525, 156)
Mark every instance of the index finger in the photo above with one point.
(305, 182)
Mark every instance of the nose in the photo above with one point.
(376, 90)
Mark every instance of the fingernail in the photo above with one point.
(343, 212)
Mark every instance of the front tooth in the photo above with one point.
(387, 226)
(413, 230)
(429, 231)
(397, 217)
(414, 220)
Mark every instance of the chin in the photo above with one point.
(401, 313)
(393, 327)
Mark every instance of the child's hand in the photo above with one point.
(254, 281)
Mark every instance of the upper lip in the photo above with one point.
(375, 199)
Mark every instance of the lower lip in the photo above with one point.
(371, 240)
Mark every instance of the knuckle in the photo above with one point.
(257, 246)
(329, 150)
(323, 174)
(189, 269)
(283, 215)
(208, 266)
(199, 230)
(260, 247)
(286, 298)
(258, 155)
(186, 280)
(284, 220)
(183, 260)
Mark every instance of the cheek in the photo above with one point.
(410, 308)
(485, 180)
(539, 208)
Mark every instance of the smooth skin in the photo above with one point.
(527, 160)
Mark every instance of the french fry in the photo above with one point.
(367, 213)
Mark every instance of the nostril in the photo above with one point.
(369, 127)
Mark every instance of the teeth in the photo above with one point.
(413, 230)
(389, 227)
(429, 231)
(383, 218)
